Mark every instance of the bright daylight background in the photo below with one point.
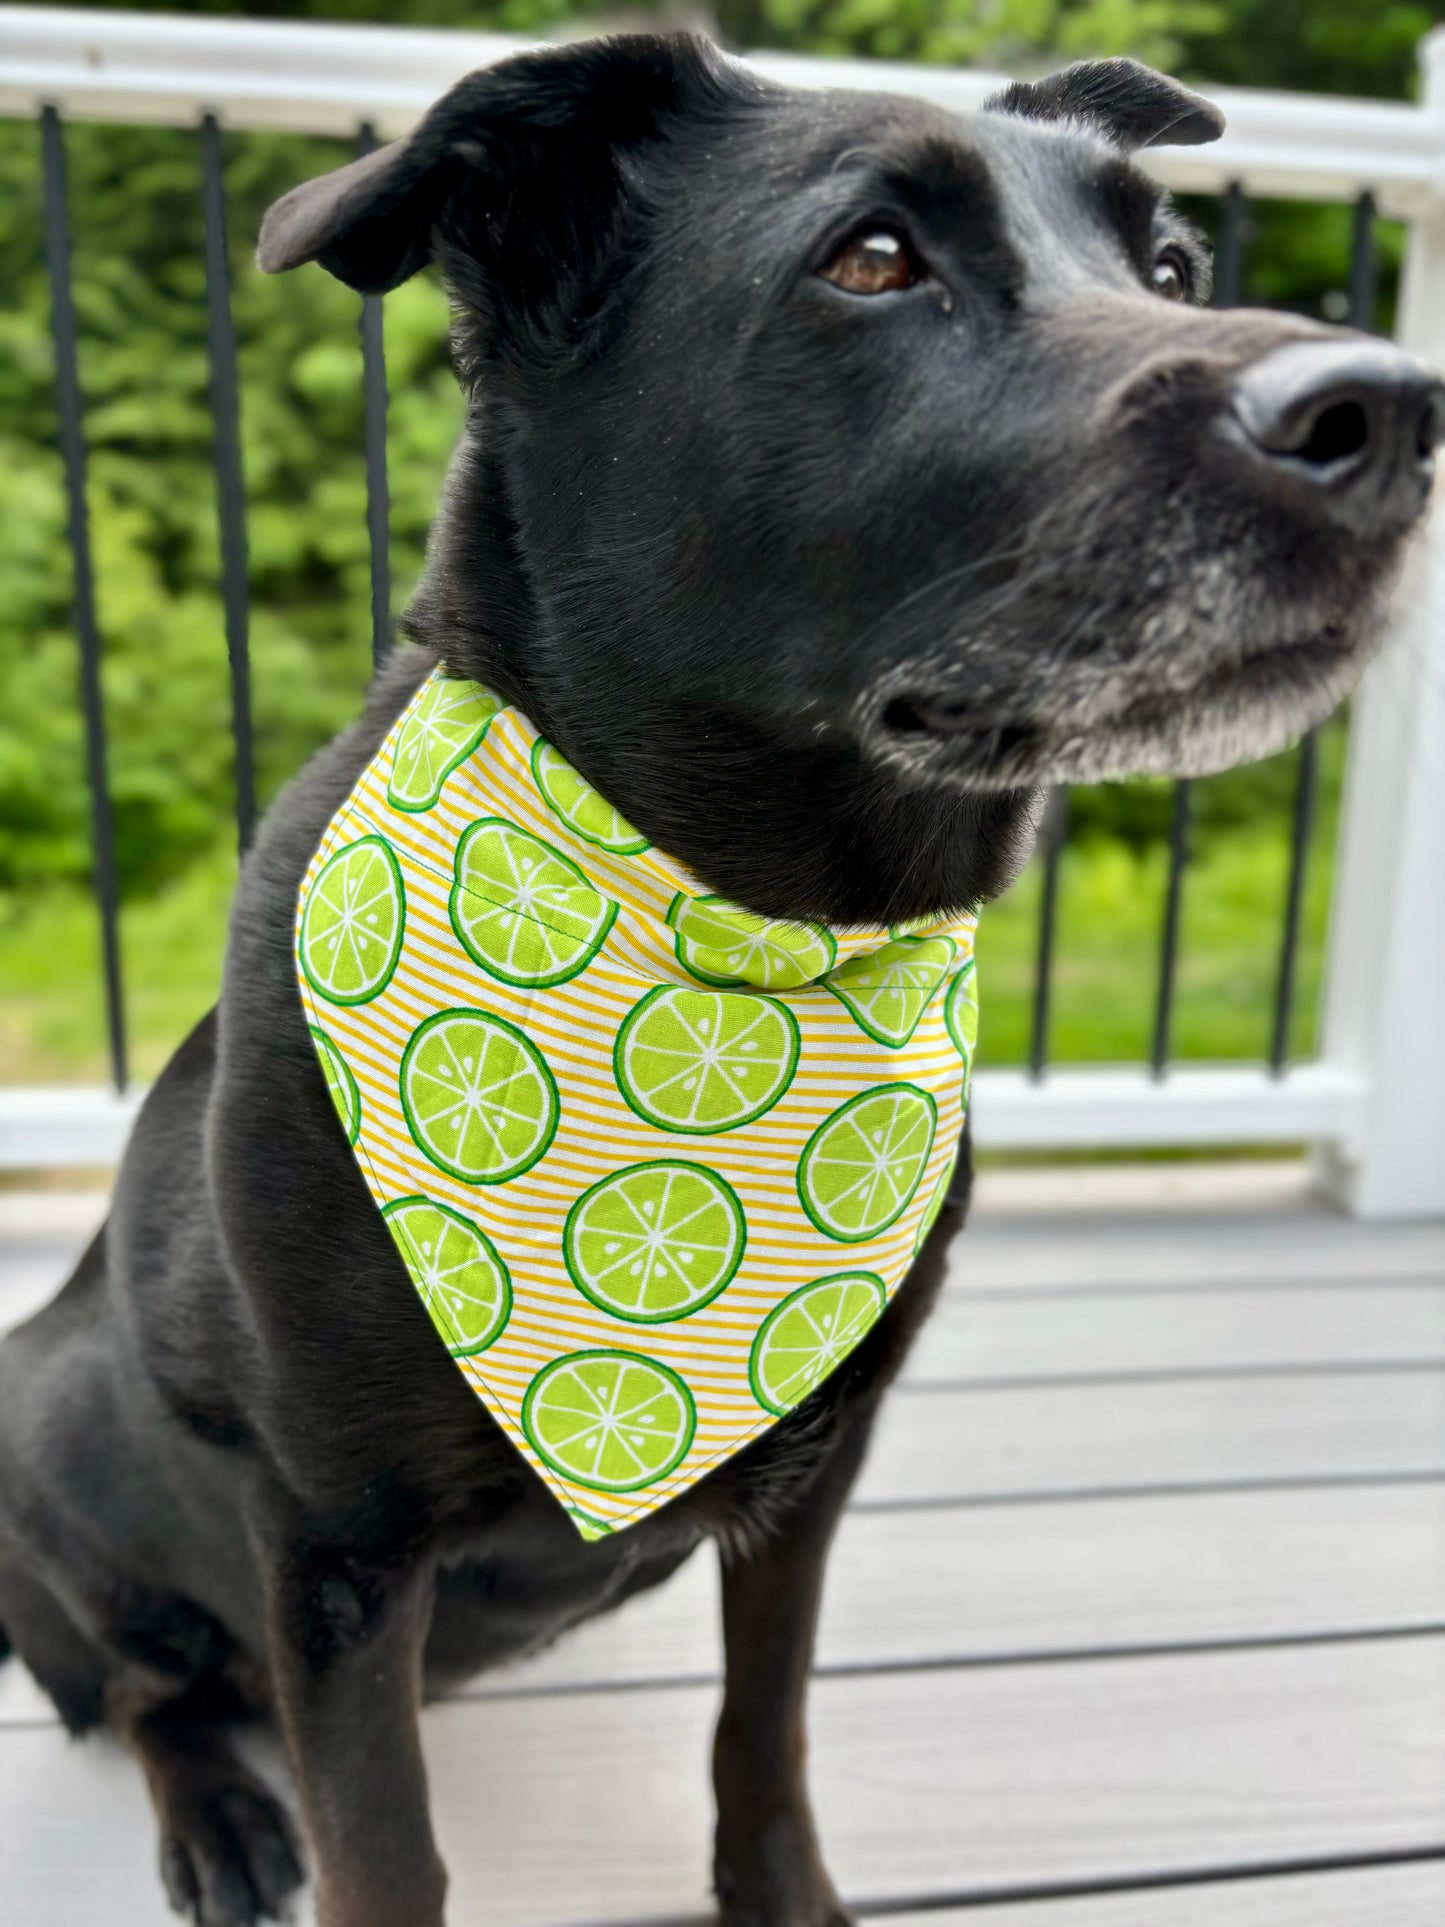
(136, 213)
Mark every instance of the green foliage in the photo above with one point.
(1106, 956)
(140, 295)
(1316, 46)
(1009, 33)
(140, 299)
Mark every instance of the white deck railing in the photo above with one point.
(1373, 1104)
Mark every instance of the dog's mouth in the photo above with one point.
(970, 731)
(1114, 724)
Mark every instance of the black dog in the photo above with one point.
(837, 473)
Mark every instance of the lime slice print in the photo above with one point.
(888, 990)
(478, 1096)
(463, 1283)
(724, 945)
(700, 1061)
(810, 1333)
(441, 732)
(522, 910)
(578, 804)
(339, 1083)
(655, 1241)
(935, 1204)
(862, 1165)
(352, 927)
(610, 1420)
(960, 1012)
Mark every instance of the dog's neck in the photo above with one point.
(768, 817)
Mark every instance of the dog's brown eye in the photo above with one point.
(1168, 279)
(878, 263)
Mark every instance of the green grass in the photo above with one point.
(1106, 957)
(52, 1010)
(1111, 901)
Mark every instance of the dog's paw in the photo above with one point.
(815, 1910)
(796, 1905)
(233, 1860)
(777, 1883)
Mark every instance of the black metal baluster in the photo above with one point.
(1228, 288)
(378, 496)
(1053, 834)
(1169, 946)
(1364, 282)
(230, 481)
(69, 408)
(1364, 265)
(1229, 248)
(1306, 790)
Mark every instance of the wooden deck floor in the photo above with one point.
(1138, 1619)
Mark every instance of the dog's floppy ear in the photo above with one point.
(1129, 102)
(484, 158)
(369, 224)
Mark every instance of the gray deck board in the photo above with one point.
(1068, 1437)
(1412, 1896)
(1153, 1329)
(1080, 1252)
(594, 1807)
(1140, 1588)
(1005, 1584)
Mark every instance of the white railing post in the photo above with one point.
(1374, 1103)
(1384, 1009)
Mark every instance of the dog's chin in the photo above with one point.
(1232, 714)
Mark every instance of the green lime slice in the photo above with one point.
(478, 1096)
(862, 1165)
(463, 1283)
(339, 1083)
(442, 731)
(888, 990)
(727, 946)
(611, 1420)
(700, 1061)
(353, 923)
(578, 804)
(655, 1241)
(960, 1012)
(811, 1332)
(935, 1204)
(522, 910)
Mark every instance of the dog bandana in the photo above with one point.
(654, 1164)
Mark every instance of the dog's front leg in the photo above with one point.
(346, 1661)
(767, 1867)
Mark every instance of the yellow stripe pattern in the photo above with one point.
(650, 1187)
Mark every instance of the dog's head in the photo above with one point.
(838, 470)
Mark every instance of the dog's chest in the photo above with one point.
(654, 1165)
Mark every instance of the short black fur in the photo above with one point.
(817, 589)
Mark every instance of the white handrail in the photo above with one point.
(1091, 1107)
(1383, 1014)
(310, 77)
(1374, 1104)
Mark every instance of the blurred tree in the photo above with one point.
(1012, 33)
(139, 290)
(1318, 46)
(1327, 46)
(140, 300)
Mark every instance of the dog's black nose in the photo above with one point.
(1355, 423)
